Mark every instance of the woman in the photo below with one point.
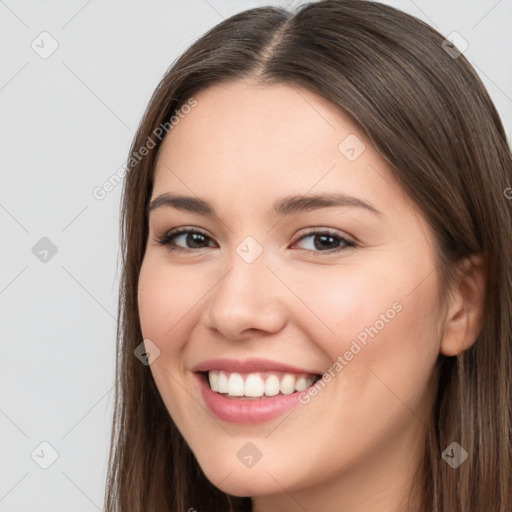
(316, 275)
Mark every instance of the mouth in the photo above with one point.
(252, 398)
(257, 385)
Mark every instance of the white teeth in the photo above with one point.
(235, 385)
(255, 386)
(213, 377)
(287, 384)
(272, 385)
(222, 383)
(301, 384)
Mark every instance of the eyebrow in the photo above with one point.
(283, 206)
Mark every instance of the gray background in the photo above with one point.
(66, 124)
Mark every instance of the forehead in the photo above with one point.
(243, 115)
(243, 140)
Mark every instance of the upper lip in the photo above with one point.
(252, 365)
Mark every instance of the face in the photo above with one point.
(263, 294)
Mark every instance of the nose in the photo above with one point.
(249, 299)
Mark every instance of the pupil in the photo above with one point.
(192, 238)
(324, 238)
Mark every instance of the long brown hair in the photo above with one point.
(428, 114)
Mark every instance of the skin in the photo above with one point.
(356, 445)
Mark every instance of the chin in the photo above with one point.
(246, 484)
(238, 480)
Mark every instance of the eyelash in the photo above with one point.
(167, 239)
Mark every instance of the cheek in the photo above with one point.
(341, 302)
(152, 301)
(375, 319)
(165, 303)
(396, 347)
(163, 299)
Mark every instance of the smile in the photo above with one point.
(258, 385)
(251, 391)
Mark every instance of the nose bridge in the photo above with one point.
(247, 272)
(247, 296)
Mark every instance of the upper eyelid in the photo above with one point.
(310, 230)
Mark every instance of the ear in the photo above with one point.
(465, 310)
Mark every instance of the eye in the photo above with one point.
(325, 239)
(196, 239)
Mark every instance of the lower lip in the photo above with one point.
(246, 411)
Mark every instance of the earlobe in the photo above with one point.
(465, 311)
